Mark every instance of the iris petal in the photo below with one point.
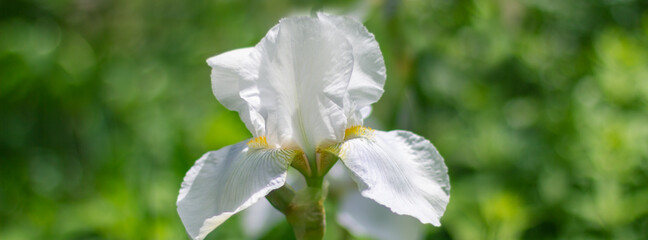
(305, 82)
(400, 170)
(224, 182)
(369, 73)
(364, 217)
(233, 78)
(303, 77)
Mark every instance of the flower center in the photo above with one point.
(258, 142)
(358, 131)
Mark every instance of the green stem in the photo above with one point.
(304, 209)
(306, 214)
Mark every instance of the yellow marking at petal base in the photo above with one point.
(258, 142)
(357, 131)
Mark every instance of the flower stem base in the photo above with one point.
(306, 214)
(303, 209)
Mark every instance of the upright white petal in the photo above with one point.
(365, 112)
(364, 217)
(400, 170)
(224, 182)
(304, 73)
(369, 74)
(356, 117)
(234, 76)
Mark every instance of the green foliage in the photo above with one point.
(540, 109)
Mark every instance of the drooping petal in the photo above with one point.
(364, 217)
(224, 182)
(304, 73)
(400, 170)
(369, 74)
(234, 75)
(262, 216)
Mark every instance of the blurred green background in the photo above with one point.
(540, 108)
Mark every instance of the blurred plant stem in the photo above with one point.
(304, 209)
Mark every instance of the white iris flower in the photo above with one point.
(303, 93)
